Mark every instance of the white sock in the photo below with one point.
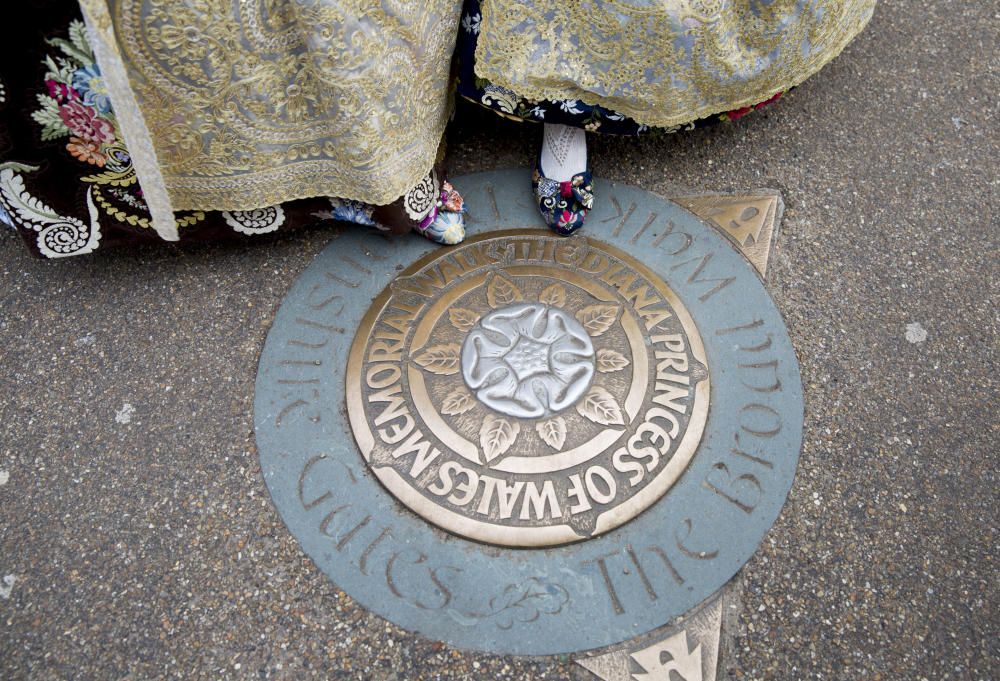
(564, 152)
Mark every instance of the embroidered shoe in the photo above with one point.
(432, 208)
(563, 205)
(445, 224)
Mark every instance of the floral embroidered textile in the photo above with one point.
(67, 180)
(76, 105)
(563, 205)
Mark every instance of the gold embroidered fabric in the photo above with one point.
(662, 62)
(251, 103)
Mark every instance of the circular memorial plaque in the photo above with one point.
(530, 444)
(528, 399)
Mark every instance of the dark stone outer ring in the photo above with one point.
(550, 601)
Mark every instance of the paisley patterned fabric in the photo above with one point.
(68, 181)
(660, 63)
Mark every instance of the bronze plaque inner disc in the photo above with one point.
(528, 390)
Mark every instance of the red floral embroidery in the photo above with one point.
(60, 91)
(452, 199)
(84, 123)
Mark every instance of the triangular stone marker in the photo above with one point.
(609, 667)
(670, 655)
(688, 651)
(749, 220)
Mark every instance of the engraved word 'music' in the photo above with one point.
(527, 390)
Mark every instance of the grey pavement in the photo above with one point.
(138, 541)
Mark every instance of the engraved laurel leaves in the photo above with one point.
(610, 360)
(502, 291)
(463, 319)
(457, 402)
(445, 359)
(554, 295)
(597, 319)
(440, 359)
(552, 432)
(499, 292)
(600, 406)
(497, 435)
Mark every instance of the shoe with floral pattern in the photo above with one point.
(563, 205)
(432, 208)
(445, 224)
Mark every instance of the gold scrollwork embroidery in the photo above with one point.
(662, 63)
(254, 103)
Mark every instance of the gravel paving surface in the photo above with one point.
(137, 539)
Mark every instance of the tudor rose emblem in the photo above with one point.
(528, 390)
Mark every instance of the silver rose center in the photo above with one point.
(528, 360)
